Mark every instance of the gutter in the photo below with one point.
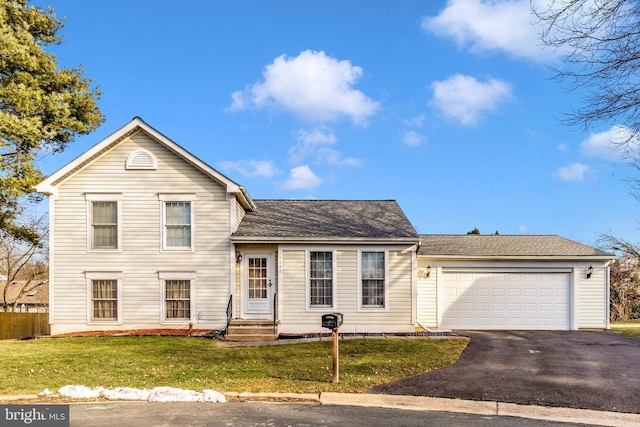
(339, 240)
(519, 257)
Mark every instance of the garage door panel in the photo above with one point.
(478, 300)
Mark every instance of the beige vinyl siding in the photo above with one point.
(427, 304)
(396, 316)
(294, 290)
(240, 213)
(140, 258)
(592, 298)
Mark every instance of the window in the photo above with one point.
(103, 225)
(177, 296)
(373, 278)
(320, 279)
(177, 221)
(104, 297)
(258, 276)
(104, 301)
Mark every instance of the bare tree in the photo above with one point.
(600, 43)
(23, 262)
(624, 284)
(625, 289)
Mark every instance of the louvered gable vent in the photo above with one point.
(141, 159)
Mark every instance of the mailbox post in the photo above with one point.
(333, 321)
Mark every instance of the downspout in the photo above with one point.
(607, 320)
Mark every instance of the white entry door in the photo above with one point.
(258, 285)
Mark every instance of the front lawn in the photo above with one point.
(196, 363)
(629, 327)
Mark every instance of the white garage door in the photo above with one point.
(481, 300)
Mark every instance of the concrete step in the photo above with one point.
(251, 330)
(242, 330)
(250, 337)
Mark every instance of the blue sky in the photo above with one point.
(447, 107)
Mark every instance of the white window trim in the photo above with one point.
(103, 197)
(177, 275)
(164, 198)
(307, 280)
(386, 281)
(103, 275)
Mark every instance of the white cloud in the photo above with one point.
(414, 139)
(416, 121)
(523, 229)
(575, 172)
(334, 158)
(309, 143)
(315, 144)
(302, 178)
(482, 25)
(603, 144)
(312, 85)
(251, 168)
(463, 98)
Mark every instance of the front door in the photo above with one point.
(258, 285)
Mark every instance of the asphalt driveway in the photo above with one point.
(573, 369)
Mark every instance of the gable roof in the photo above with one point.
(39, 296)
(50, 184)
(379, 221)
(506, 246)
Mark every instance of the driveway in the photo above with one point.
(573, 369)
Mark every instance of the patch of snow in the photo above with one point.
(126, 393)
(45, 392)
(80, 392)
(156, 394)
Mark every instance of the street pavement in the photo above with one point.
(262, 414)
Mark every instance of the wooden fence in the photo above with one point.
(17, 325)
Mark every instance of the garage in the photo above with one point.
(535, 282)
(506, 300)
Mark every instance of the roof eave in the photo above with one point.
(324, 240)
(520, 257)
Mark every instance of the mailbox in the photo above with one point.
(332, 320)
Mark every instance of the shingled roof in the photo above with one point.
(504, 246)
(326, 220)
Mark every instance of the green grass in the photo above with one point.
(628, 327)
(198, 363)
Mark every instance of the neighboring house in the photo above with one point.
(145, 235)
(34, 301)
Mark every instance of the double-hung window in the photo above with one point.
(372, 267)
(177, 221)
(177, 297)
(103, 224)
(104, 300)
(321, 280)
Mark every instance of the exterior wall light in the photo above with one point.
(589, 272)
(239, 259)
(427, 272)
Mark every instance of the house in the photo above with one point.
(146, 235)
(36, 300)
